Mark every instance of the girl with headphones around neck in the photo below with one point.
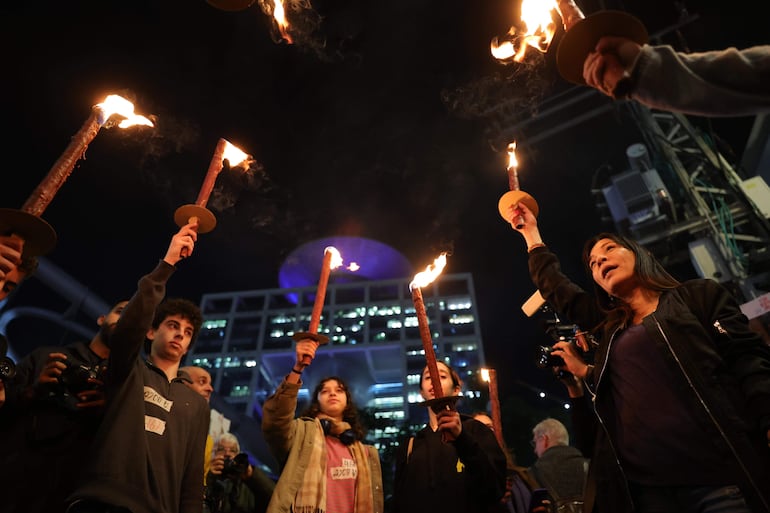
(341, 474)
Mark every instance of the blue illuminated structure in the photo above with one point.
(377, 261)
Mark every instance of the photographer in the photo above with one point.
(678, 376)
(233, 485)
(54, 406)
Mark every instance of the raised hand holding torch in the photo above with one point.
(509, 200)
(332, 259)
(197, 212)
(440, 402)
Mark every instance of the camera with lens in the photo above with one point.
(74, 379)
(547, 359)
(7, 368)
(236, 466)
(559, 332)
(77, 377)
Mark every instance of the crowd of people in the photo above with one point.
(671, 413)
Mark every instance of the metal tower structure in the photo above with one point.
(724, 216)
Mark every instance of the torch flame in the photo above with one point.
(235, 156)
(115, 104)
(279, 14)
(430, 273)
(485, 374)
(513, 163)
(537, 20)
(336, 259)
(353, 267)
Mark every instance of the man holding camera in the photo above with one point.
(55, 405)
(233, 485)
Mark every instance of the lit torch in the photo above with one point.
(580, 37)
(490, 376)
(279, 15)
(197, 211)
(332, 260)
(515, 196)
(39, 237)
(421, 279)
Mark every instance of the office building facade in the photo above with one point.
(374, 343)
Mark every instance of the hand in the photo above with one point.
(573, 385)
(53, 368)
(573, 362)
(182, 243)
(524, 221)
(305, 348)
(91, 398)
(610, 63)
(217, 464)
(11, 248)
(449, 424)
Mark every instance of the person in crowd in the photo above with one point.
(147, 456)
(729, 82)
(559, 468)
(453, 464)
(199, 379)
(325, 464)
(55, 405)
(233, 484)
(519, 484)
(678, 377)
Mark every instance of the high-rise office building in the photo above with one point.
(369, 318)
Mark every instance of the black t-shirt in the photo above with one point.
(654, 429)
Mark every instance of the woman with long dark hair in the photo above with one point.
(325, 465)
(680, 383)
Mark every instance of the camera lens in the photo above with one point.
(547, 359)
(7, 368)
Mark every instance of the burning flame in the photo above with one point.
(279, 14)
(537, 20)
(485, 374)
(336, 260)
(234, 155)
(115, 104)
(513, 163)
(430, 273)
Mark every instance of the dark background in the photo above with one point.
(387, 120)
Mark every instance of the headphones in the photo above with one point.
(347, 437)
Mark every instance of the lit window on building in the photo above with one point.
(387, 402)
(462, 319)
(390, 415)
(239, 391)
(394, 324)
(231, 362)
(460, 304)
(281, 319)
(214, 324)
(414, 397)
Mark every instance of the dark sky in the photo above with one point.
(385, 120)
